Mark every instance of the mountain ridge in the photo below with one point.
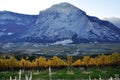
(114, 20)
(65, 21)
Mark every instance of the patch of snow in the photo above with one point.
(10, 33)
(64, 42)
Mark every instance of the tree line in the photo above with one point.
(12, 63)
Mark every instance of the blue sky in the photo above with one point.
(99, 8)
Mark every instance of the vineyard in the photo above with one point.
(11, 63)
(101, 66)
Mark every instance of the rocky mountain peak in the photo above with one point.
(65, 8)
(62, 22)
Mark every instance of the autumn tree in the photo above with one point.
(115, 58)
(69, 63)
(12, 63)
(86, 60)
(4, 64)
(77, 63)
(23, 63)
(101, 59)
(57, 62)
(41, 62)
(107, 60)
(92, 62)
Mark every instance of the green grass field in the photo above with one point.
(76, 73)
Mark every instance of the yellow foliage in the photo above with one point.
(13, 63)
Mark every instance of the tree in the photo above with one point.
(49, 63)
(115, 58)
(57, 62)
(101, 59)
(69, 63)
(107, 60)
(41, 62)
(77, 63)
(92, 61)
(86, 60)
(12, 63)
(23, 63)
(69, 60)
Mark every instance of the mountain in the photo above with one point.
(61, 22)
(12, 24)
(114, 20)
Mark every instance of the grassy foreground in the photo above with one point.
(76, 73)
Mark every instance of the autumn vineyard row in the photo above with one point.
(42, 62)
